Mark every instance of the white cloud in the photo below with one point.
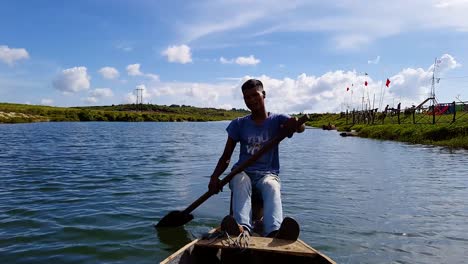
(101, 92)
(374, 61)
(90, 100)
(217, 17)
(451, 3)
(109, 72)
(348, 24)
(166, 89)
(225, 61)
(412, 86)
(409, 85)
(134, 70)
(72, 80)
(305, 92)
(124, 47)
(202, 92)
(10, 55)
(130, 98)
(351, 41)
(153, 77)
(283, 95)
(196, 94)
(251, 60)
(225, 106)
(46, 101)
(179, 54)
(446, 62)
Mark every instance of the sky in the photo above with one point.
(306, 53)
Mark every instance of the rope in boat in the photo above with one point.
(241, 241)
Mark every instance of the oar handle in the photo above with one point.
(284, 132)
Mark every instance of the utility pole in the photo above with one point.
(139, 97)
(362, 102)
(432, 96)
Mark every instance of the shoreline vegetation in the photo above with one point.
(22, 113)
(444, 133)
(452, 135)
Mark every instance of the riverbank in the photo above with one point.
(452, 135)
(22, 113)
(13, 117)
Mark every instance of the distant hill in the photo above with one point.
(23, 113)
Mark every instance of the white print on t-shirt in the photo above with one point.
(254, 143)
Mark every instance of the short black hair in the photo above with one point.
(252, 83)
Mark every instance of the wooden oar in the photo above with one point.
(180, 218)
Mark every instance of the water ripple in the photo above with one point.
(90, 192)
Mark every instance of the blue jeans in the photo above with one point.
(270, 189)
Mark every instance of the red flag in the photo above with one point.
(365, 83)
(388, 82)
(347, 88)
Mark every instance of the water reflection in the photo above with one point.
(173, 238)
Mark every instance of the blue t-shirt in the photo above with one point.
(252, 137)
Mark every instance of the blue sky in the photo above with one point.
(78, 53)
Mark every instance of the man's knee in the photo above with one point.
(271, 184)
(240, 180)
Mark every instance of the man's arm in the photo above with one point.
(222, 165)
(291, 126)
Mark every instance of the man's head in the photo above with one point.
(252, 84)
(253, 95)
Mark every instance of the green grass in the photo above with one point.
(20, 113)
(443, 133)
(319, 120)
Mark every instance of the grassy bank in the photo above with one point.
(453, 135)
(20, 113)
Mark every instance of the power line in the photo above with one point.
(457, 77)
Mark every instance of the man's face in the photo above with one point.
(253, 99)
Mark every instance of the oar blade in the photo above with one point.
(174, 219)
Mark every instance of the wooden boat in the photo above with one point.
(258, 250)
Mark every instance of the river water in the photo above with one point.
(90, 193)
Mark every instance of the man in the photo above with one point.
(253, 131)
